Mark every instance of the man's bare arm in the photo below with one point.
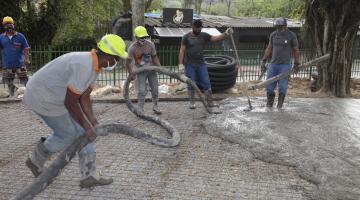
(217, 38)
(267, 53)
(72, 104)
(181, 54)
(296, 53)
(156, 60)
(86, 106)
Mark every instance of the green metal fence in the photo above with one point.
(168, 55)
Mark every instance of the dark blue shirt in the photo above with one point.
(194, 51)
(283, 44)
(13, 50)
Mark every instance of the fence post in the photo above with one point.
(49, 56)
(114, 76)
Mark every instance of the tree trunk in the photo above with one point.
(228, 7)
(138, 10)
(187, 3)
(331, 27)
(148, 4)
(126, 5)
(198, 6)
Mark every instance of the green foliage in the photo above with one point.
(258, 8)
(218, 9)
(10, 8)
(81, 20)
(156, 6)
(173, 4)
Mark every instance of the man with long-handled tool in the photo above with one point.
(283, 44)
(59, 93)
(192, 55)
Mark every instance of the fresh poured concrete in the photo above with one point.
(320, 138)
(314, 154)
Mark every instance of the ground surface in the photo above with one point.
(202, 167)
(320, 138)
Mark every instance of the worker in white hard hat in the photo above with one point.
(59, 93)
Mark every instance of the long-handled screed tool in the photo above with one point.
(288, 73)
(241, 73)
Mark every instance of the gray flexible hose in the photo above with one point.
(49, 174)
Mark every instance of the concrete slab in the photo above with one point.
(320, 138)
(202, 167)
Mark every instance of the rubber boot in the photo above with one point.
(280, 100)
(156, 108)
(38, 158)
(209, 100)
(270, 100)
(192, 99)
(88, 172)
(12, 89)
(141, 103)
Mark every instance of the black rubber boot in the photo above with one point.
(38, 158)
(192, 99)
(92, 182)
(141, 103)
(12, 89)
(270, 100)
(209, 99)
(156, 108)
(281, 100)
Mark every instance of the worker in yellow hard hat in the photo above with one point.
(60, 94)
(15, 52)
(143, 53)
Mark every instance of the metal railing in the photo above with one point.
(168, 55)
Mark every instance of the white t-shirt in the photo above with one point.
(45, 92)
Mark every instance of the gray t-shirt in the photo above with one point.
(194, 51)
(282, 46)
(45, 92)
(142, 54)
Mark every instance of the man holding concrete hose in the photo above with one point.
(59, 93)
(143, 52)
(192, 55)
(283, 44)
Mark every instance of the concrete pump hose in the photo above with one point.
(50, 173)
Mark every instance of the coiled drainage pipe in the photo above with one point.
(51, 172)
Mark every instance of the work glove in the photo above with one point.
(229, 31)
(263, 66)
(181, 68)
(296, 68)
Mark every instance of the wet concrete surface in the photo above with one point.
(319, 138)
(201, 167)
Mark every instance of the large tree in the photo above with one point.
(138, 10)
(331, 27)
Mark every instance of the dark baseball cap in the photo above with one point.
(197, 23)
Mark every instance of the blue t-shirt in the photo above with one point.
(13, 50)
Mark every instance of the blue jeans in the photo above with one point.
(273, 70)
(153, 82)
(199, 74)
(65, 131)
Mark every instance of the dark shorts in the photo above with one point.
(8, 75)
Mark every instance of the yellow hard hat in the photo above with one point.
(113, 44)
(8, 20)
(140, 32)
